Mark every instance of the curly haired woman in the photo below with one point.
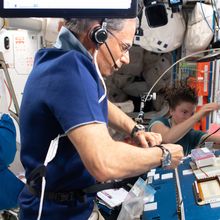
(177, 127)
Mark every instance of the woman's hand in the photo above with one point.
(206, 109)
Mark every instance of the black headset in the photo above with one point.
(99, 34)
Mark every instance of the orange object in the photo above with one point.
(202, 124)
(202, 76)
(201, 82)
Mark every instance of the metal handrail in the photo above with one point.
(4, 66)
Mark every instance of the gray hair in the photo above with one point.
(78, 26)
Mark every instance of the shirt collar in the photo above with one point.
(67, 41)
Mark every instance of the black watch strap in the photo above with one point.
(161, 147)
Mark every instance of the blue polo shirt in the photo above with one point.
(189, 141)
(61, 93)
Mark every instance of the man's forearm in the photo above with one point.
(118, 119)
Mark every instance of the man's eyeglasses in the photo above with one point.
(125, 47)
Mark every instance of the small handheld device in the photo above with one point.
(202, 157)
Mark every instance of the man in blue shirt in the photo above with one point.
(66, 94)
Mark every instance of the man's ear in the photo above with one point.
(98, 34)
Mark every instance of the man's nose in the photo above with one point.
(125, 58)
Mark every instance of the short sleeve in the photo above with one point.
(196, 136)
(74, 94)
(160, 120)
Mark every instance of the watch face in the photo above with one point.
(166, 159)
(140, 127)
(137, 127)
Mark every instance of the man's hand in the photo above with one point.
(176, 151)
(147, 139)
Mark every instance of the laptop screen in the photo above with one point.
(69, 8)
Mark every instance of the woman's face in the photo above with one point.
(182, 112)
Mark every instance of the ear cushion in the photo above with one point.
(99, 35)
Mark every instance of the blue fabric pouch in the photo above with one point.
(7, 141)
(10, 185)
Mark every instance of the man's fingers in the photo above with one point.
(147, 139)
(153, 138)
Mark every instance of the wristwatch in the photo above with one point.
(136, 128)
(166, 156)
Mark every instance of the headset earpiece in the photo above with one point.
(99, 34)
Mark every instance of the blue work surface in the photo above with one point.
(193, 211)
(165, 197)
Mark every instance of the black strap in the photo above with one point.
(139, 30)
(60, 196)
(112, 185)
(36, 175)
(77, 194)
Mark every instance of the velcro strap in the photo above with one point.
(36, 175)
(61, 196)
(112, 185)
